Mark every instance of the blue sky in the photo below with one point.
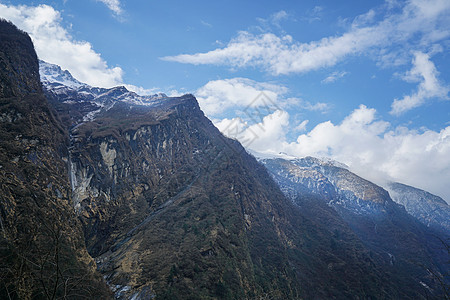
(363, 82)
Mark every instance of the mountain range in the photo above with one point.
(108, 194)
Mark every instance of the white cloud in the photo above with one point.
(303, 104)
(333, 77)
(369, 146)
(273, 21)
(426, 21)
(55, 45)
(424, 72)
(249, 96)
(279, 16)
(260, 135)
(218, 96)
(204, 23)
(314, 14)
(113, 5)
(141, 91)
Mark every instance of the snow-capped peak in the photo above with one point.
(53, 74)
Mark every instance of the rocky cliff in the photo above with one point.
(42, 248)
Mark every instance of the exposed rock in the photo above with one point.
(42, 250)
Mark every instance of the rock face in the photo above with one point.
(429, 209)
(383, 226)
(42, 250)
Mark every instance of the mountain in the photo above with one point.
(337, 185)
(62, 85)
(42, 249)
(171, 208)
(429, 209)
(145, 191)
(382, 225)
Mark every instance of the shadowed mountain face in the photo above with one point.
(170, 209)
(413, 254)
(42, 251)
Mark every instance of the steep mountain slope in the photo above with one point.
(383, 226)
(429, 209)
(42, 251)
(173, 209)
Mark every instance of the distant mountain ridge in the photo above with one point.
(383, 225)
(330, 180)
(429, 209)
(321, 177)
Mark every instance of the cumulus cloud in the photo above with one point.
(368, 145)
(424, 72)
(243, 94)
(55, 45)
(257, 136)
(424, 20)
(379, 153)
(217, 96)
(113, 5)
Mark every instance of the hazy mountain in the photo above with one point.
(429, 209)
